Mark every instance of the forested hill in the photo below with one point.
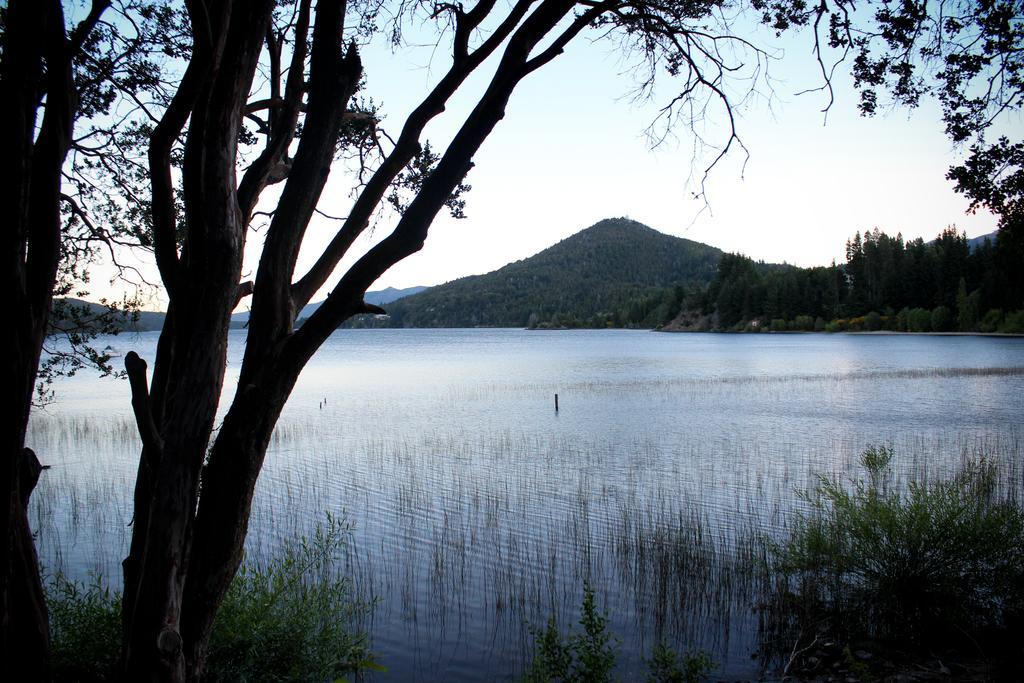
(616, 272)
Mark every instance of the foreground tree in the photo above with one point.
(51, 76)
(189, 529)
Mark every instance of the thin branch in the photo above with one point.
(81, 32)
(282, 121)
(404, 150)
(151, 441)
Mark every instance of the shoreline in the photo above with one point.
(887, 333)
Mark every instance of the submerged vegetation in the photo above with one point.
(471, 530)
(293, 618)
(911, 558)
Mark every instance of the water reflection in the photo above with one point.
(479, 511)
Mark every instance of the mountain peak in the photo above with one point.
(593, 273)
(623, 227)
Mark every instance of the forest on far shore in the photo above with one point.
(946, 285)
(622, 274)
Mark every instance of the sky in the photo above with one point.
(572, 150)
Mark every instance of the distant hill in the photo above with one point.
(69, 314)
(378, 297)
(595, 275)
(975, 242)
(389, 294)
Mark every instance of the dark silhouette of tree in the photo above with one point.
(55, 75)
(221, 139)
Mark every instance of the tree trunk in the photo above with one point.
(24, 651)
(33, 153)
(176, 419)
(222, 521)
(188, 543)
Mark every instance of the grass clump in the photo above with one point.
(293, 620)
(589, 656)
(85, 629)
(666, 666)
(929, 564)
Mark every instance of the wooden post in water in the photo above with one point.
(556, 403)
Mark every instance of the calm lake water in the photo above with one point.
(479, 511)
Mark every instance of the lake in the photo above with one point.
(479, 511)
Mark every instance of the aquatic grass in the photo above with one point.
(471, 529)
(467, 547)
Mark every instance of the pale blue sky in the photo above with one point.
(572, 150)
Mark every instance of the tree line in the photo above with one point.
(950, 284)
(945, 285)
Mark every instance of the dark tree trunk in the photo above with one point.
(176, 419)
(33, 152)
(189, 535)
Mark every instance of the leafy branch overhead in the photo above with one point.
(966, 54)
(410, 181)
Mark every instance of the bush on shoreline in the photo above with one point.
(940, 564)
(291, 620)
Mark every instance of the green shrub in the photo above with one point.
(290, 621)
(942, 319)
(665, 666)
(992, 320)
(873, 321)
(902, 321)
(940, 558)
(804, 323)
(589, 657)
(919, 320)
(85, 629)
(1013, 323)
